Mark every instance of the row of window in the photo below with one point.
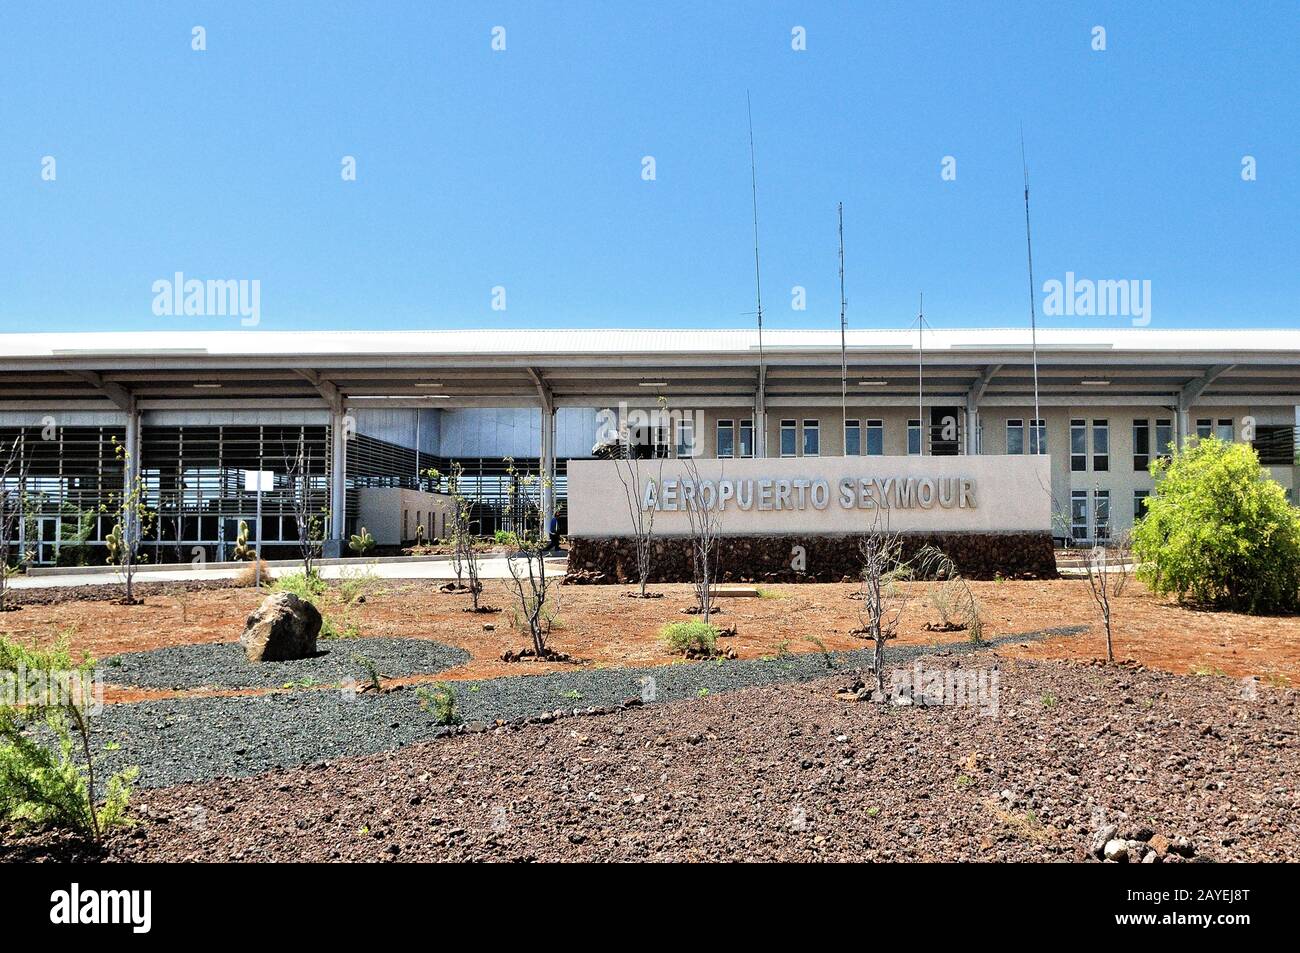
(1142, 450)
(867, 438)
(1093, 523)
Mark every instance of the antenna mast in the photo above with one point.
(760, 424)
(1033, 317)
(844, 353)
(920, 378)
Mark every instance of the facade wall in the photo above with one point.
(513, 432)
(1117, 484)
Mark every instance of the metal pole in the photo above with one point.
(844, 355)
(920, 379)
(760, 422)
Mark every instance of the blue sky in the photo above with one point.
(523, 168)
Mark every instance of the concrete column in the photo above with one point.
(1183, 424)
(972, 428)
(760, 418)
(546, 466)
(131, 476)
(333, 547)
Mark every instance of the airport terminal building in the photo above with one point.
(219, 426)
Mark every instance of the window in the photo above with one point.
(1079, 515)
(1101, 514)
(1038, 437)
(1204, 427)
(1164, 436)
(1015, 436)
(875, 438)
(1224, 430)
(788, 438)
(913, 437)
(747, 438)
(812, 438)
(1140, 504)
(1275, 444)
(1078, 445)
(685, 438)
(1101, 445)
(726, 439)
(1141, 444)
(853, 438)
(661, 442)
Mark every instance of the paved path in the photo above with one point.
(490, 567)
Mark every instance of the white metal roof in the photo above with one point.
(538, 341)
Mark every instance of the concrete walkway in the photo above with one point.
(432, 567)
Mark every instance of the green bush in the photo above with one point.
(698, 637)
(1217, 530)
(47, 769)
(441, 700)
(305, 587)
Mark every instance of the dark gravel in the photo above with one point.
(192, 739)
(223, 664)
(111, 592)
(1189, 768)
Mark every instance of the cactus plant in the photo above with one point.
(114, 544)
(362, 542)
(243, 551)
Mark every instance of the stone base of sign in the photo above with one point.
(1018, 555)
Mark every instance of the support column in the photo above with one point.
(972, 428)
(333, 547)
(546, 452)
(760, 416)
(131, 477)
(547, 467)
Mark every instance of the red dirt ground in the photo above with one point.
(604, 628)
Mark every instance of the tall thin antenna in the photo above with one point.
(920, 378)
(760, 425)
(1033, 317)
(844, 352)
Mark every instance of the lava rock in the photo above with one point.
(281, 629)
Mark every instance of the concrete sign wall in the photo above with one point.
(822, 495)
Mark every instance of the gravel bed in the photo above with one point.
(193, 739)
(223, 664)
(1082, 761)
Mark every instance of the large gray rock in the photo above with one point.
(283, 628)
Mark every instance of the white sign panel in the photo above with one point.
(255, 480)
(817, 495)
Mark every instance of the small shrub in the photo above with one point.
(691, 638)
(440, 699)
(354, 583)
(309, 588)
(47, 770)
(247, 577)
(373, 677)
(821, 647)
(1219, 530)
